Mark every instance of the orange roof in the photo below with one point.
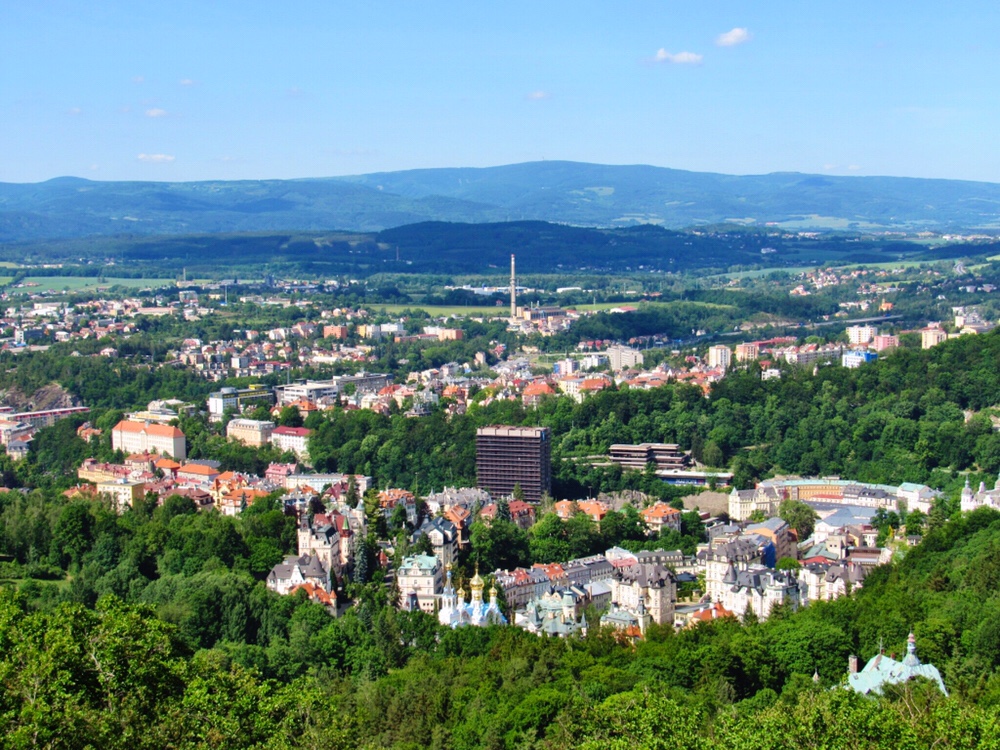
(708, 614)
(160, 430)
(539, 389)
(594, 384)
(198, 469)
(315, 593)
(167, 464)
(659, 510)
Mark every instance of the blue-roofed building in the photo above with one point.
(882, 670)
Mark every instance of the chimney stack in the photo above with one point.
(852, 664)
(513, 289)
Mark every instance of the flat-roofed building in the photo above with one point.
(253, 432)
(747, 351)
(720, 356)
(514, 456)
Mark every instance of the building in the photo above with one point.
(292, 439)
(980, 498)
(623, 358)
(660, 516)
(143, 437)
(767, 495)
(514, 456)
(720, 356)
(443, 537)
(298, 570)
(932, 335)
(314, 390)
(852, 360)
(253, 432)
(760, 590)
(47, 418)
(641, 594)
(552, 613)
(236, 400)
(882, 670)
(456, 612)
(664, 456)
(861, 334)
(123, 492)
(884, 342)
(747, 352)
(419, 582)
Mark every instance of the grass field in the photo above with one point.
(502, 312)
(83, 283)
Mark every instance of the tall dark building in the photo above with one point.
(506, 456)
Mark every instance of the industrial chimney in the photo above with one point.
(513, 289)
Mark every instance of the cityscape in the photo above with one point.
(523, 377)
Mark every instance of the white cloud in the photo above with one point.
(156, 112)
(679, 58)
(853, 167)
(733, 37)
(187, 82)
(537, 96)
(828, 167)
(155, 158)
(94, 167)
(137, 79)
(74, 111)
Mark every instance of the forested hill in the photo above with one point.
(562, 192)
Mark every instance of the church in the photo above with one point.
(456, 612)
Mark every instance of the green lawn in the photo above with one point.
(84, 283)
(490, 311)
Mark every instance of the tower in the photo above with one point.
(513, 289)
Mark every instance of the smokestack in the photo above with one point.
(513, 289)
(852, 664)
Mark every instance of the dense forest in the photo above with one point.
(202, 656)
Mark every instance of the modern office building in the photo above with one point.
(509, 456)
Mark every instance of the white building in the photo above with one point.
(623, 357)
(861, 334)
(456, 612)
(419, 582)
(641, 594)
(296, 571)
(760, 589)
(720, 356)
(144, 437)
(294, 439)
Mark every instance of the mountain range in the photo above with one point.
(563, 192)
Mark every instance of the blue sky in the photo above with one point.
(251, 89)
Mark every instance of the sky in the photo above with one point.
(202, 90)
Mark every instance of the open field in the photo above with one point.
(489, 311)
(83, 283)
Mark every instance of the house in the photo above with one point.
(760, 590)
(197, 473)
(296, 570)
(443, 537)
(659, 516)
(641, 594)
(522, 514)
(419, 581)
